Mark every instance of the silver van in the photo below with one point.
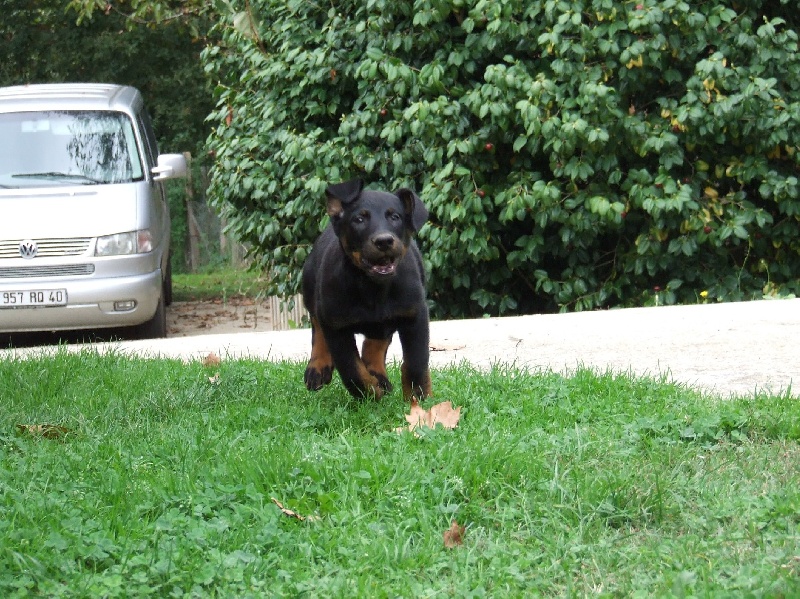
(84, 221)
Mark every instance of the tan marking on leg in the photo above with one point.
(319, 347)
(320, 365)
(369, 383)
(373, 353)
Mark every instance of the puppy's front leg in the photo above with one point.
(355, 375)
(416, 376)
(320, 366)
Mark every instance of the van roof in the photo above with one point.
(70, 96)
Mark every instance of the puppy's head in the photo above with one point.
(374, 227)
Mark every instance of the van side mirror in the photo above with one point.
(170, 166)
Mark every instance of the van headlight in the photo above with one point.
(133, 242)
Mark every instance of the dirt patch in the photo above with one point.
(235, 315)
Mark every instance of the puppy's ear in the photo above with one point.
(415, 209)
(341, 194)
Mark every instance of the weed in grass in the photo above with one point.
(596, 483)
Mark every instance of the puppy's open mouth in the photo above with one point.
(382, 267)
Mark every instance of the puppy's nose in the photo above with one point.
(383, 242)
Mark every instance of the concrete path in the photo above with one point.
(722, 349)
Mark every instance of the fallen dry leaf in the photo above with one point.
(442, 413)
(446, 347)
(454, 535)
(292, 514)
(214, 380)
(47, 431)
(212, 359)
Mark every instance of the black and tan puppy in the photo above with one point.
(365, 275)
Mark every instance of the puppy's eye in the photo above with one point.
(393, 216)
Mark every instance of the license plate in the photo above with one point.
(32, 299)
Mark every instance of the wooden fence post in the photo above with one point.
(191, 219)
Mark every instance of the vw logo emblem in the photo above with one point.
(28, 249)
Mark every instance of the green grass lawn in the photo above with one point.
(593, 484)
(218, 285)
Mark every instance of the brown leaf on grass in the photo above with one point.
(442, 413)
(454, 535)
(292, 514)
(212, 359)
(47, 431)
(214, 380)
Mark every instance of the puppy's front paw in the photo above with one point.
(316, 376)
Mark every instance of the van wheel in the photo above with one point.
(156, 327)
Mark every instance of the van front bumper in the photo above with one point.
(90, 303)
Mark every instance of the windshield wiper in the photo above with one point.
(57, 175)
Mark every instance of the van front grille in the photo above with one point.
(26, 272)
(47, 248)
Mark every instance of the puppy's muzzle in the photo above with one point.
(382, 255)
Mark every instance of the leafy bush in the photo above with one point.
(573, 154)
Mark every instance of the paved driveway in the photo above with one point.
(724, 349)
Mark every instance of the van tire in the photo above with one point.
(156, 327)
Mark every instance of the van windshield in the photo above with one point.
(41, 149)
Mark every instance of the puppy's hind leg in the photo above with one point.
(319, 371)
(358, 380)
(373, 354)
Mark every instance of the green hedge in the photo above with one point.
(573, 154)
